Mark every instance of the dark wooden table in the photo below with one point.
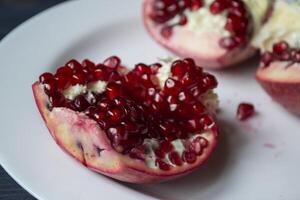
(13, 13)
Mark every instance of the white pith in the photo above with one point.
(284, 25)
(73, 91)
(203, 21)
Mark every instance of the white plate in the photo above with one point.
(258, 159)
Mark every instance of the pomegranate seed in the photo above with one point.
(217, 6)
(130, 127)
(78, 78)
(104, 124)
(115, 114)
(196, 4)
(198, 108)
(141, 69)
(171, 86)
(236, 3)
(238, 11)
(185, 97)
(189, 62)
(64, 71)
(189, 157)
(182, 20)
(267, 58)
(81, 103)
(56, 99)
(114, 90)
(296, 56)
(206, 121)
(280, 47)
(166, 32)
(209, 81)
(98, 115)
(166, 146)
(62, 81)
(197, 90)
(194, 125)
(74, 65)
(166, 127)
(114, 76)
(183, 110)
(236, 24)
(174, 157)
(50, 86)
(89, 65)
(112, 62)
(45, 76)
(244, 111)
(120, 102)
(159, 153)
(99, 74)
(178, 69)
(285, 56)
(162, 165)
(104, 104)
(188, 80)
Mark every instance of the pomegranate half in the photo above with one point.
(216, 33)
(152, 123)
(280, 61)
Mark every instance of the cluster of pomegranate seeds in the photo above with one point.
(281, 52)
(238, 18)
(244, 111)
(238, 22)
(134, 107)
(165, 10)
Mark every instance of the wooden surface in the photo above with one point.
(12, 13)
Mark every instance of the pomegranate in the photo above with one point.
(152, 123)
(216, 33)
(280, 60)
(245, 111)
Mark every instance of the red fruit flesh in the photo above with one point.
(209, 49)
(245, 111)
(131, 136)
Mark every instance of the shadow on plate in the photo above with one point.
(201, 181)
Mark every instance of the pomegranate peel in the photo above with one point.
(216, 34)
(124, 146)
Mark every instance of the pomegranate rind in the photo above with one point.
(282, 84)
(81, 137)
(201, 47)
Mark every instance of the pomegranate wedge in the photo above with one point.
(152, 123)
(216, 33)
(279, 43)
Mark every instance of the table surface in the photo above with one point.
(13, 13)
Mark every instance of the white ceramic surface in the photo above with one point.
(257, 159)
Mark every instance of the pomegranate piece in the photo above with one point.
(134, 128)
(245, 111)
(221, 40)
(278, 72)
